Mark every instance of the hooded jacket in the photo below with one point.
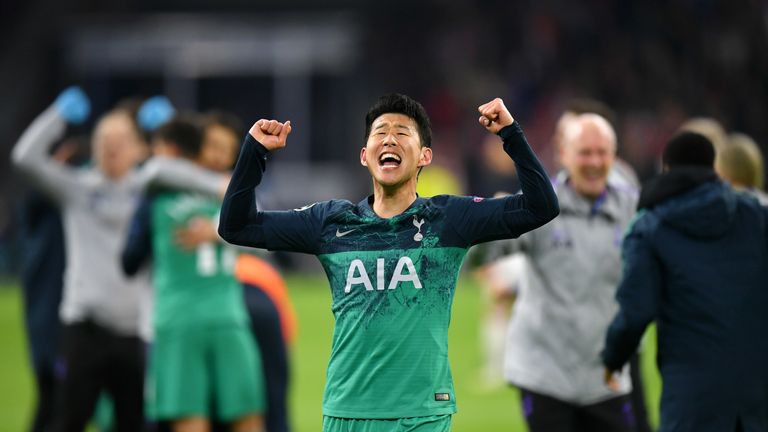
(696, 262)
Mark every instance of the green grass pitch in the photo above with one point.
(480, 408)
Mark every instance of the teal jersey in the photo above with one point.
(392, 280)
(197, 287)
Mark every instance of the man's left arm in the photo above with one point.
(509, 217)
(639, 297)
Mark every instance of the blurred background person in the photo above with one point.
(696, 262)
(273, 323)
(709, 127)
(565, 299)
(740, 163)
(622, 176)
(42, 281)
(100, 308)
(204, 361)
(272, 319)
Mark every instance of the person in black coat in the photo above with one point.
(696, 262)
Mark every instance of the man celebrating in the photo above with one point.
(566, 299)
(392, 260)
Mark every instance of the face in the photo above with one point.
(117, 146)
(220, 147)
(588, 157)
(393, 152)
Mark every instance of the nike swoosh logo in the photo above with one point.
(342, 234)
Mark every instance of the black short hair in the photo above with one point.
(184, 133)
(395, 103)
(689, 149)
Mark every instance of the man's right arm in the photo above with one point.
(242, 223)
(30, 154)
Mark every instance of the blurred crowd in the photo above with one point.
(655, 64)
(659, 69)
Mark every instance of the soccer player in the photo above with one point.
(392, 260)
(266, 298)
(204, 363)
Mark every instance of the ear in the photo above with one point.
(426, 157)
(560, 153)
(363, 162)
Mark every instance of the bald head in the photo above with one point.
(116, 144)
(587, 151)
(588, 126)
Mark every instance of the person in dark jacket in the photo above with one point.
(42, 281)
(696, 262)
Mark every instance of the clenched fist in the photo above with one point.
(271, 133)
(494, 116)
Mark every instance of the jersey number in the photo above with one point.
(207, 264)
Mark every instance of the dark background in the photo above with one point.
(321, 64)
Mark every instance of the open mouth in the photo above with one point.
(389, 160)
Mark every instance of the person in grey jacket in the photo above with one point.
(101, 308)
(566, 295)
(696, 262)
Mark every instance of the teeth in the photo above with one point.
(389, 155)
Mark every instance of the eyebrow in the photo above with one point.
(397, 125)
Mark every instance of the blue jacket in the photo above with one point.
(696, 262)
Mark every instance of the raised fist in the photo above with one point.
(73, 104)
(271, 133)
(154, 112)
(494, 116)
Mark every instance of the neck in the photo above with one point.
(389, 202)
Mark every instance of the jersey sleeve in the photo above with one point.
(243, 224)
(478, 220)
(31, 155)
(138, 246)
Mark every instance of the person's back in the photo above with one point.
(713, 316)
(199, 282)
(203, 361)
(696, 261)
(42, 281)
